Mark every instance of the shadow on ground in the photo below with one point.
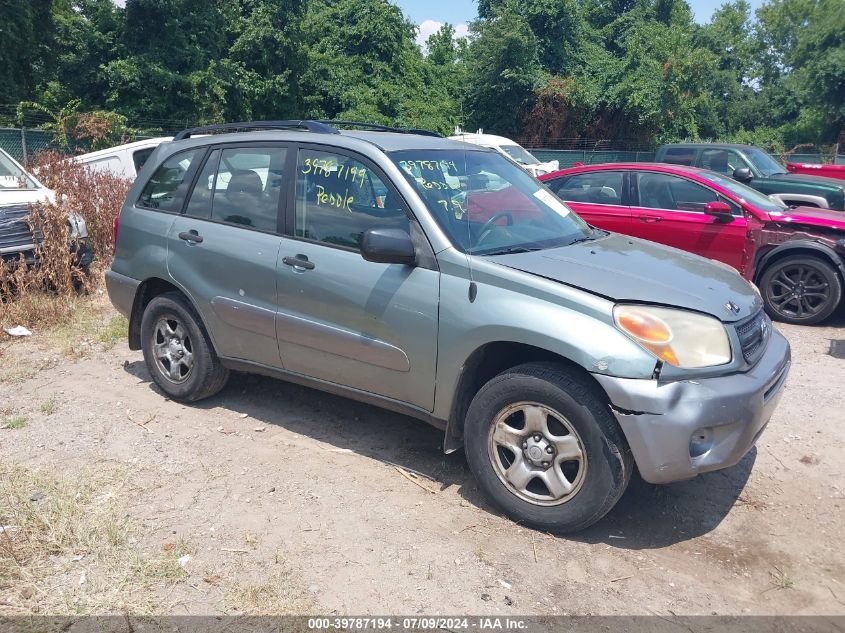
(646, 517)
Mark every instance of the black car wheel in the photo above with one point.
(545, 447)
(801, 289)
(177, 351)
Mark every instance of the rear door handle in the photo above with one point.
(300, 262)
(190, 236)
(650, 218)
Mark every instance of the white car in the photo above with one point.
(510, 149)
(123, 160)
(19, 189)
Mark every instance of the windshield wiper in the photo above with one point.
(594, 235)
(513, 250)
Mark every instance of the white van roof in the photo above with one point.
(145, 143)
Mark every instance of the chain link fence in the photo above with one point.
(22, 143)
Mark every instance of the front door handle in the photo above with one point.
(650, 218)
(300, 262)
(190, 236)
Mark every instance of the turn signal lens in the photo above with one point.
(678, 337)
(645, 327)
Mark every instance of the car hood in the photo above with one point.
(627, 269)
(15, 197)
(810, 216)
(809, 178)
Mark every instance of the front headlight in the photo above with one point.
(678, 337)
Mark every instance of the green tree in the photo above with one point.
(503, 67)
(26, 28)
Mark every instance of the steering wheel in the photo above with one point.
(488, 225)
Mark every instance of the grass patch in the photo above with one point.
(50, 405)
(117, 328)
(781, 580)
(68, 548)
(16, 421)
(277, 596)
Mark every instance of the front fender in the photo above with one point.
(565, 321)
(796, 246)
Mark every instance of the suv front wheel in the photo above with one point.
(545, 447)
(177, 351)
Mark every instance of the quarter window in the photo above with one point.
(339, 198)
(598, 187)
(161, 190)
(140, 157)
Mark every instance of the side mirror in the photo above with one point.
(388, 246)
(719, 209)
(743, 174)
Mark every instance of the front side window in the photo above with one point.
(247, 186)
(338, 198)
(596, 187)
(487, 205)
(663, 191)
(12, 176)
(161, 190)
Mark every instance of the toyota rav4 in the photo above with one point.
(364, 263)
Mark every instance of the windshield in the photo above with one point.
(520, 154)
(747, 194)
(487, 205)
(767, 165)
(12, 176)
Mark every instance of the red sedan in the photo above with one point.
(796, 256)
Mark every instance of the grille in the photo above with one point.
(14, 231)
(753, 335)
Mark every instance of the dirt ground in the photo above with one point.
(275, 498)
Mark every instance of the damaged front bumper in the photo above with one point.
(677, 430)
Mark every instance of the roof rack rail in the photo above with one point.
(318, 127)
(381, 128)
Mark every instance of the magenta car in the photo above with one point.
(795, 256)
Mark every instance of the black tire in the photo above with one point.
(816, 282)
(606, 457)
(206, 374)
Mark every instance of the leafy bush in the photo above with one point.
(43, 293)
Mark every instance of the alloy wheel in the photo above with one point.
(537, 453)
(173, 349)
(798, 291)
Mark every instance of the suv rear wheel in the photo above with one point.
(801, 289)
(545, 447)
(177, 351)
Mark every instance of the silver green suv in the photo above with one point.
(437, 279)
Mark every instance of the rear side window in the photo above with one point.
(598, 187)
(679, 155)
(161, 190)
(247, 188)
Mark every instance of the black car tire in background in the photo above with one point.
(801, 289)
